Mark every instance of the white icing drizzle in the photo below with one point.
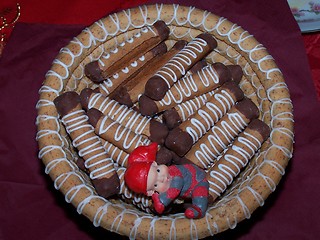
(128, 41)
(188, 108)
(110, 83)
(211, 149)
(119, 156)
(122, 114)
(190, 85)
(181, 61)
(224, 174)
(78, 120)
(121, 134)
(210, 115)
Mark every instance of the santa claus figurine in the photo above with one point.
(166, 183)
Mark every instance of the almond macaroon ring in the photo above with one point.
(262, 82)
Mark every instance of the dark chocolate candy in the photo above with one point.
(93, 71)
(66, 102)
(159, 49)
(248, 108)
(147, 106)
(198, 66)
(122, 96)
(162, 29)
(179, 45)
(236, 73)
(235, 89)
(164, 156)
(107, 187)
(209, 39)
(223, 72)
(156, 88)
(85, 96)
(179, 141)
(94, 116)
(158, 132)
(260, 127)
(171, 118)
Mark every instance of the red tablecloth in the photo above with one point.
(312, 46)
(30, 207)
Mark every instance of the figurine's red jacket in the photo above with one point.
(188, 181)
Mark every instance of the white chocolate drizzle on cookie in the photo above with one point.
(74, 124)
(107, 85)
(184, 56)
(197, 129)
(187, 108)
(219, 138)
(225, 174)
(129, 139)
(122, 114)
(187, 86)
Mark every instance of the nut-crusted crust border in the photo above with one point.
(262, 77)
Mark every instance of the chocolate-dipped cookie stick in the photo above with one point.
(110, 63)
(114, 132)
(181, 112)
(204, 152)
(198, 124)
(112, 82)
(221, 175)
(204, 80)
(130, 91)
(129, 118)
(157, 86)
(119, 156)
(96, 160)
(123, 138)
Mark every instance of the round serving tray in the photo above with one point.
(263, 83)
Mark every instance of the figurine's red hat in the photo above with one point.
(136, 177)
(139, 163)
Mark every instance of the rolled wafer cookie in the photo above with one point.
(96, 159)
(127, 117)
(110, 63)
(181, 112)
(114, 132)
(191, 130)
(119, 156)
(197, 66)
(221, 175)
(123, 138)
(130, 91)
(204, 80)
(204, 152)
(157, 86)
(111, 83)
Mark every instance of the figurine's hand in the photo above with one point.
(158, 206)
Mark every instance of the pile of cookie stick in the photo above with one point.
(149, 90)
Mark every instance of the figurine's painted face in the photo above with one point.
(158, 179)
